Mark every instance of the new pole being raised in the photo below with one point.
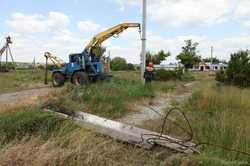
(143, 38)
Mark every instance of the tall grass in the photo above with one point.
(16, 126)
(39, 138)
(20, 79)
(110, 98)
(56, 141)
(220, 115)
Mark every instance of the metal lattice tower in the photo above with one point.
(5, 53)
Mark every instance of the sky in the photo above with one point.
(63, 27)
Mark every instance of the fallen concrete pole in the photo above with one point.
(129, 134)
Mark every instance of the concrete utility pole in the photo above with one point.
(143, 38)
(212, 52)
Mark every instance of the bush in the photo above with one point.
(238, 71)
(130, 66)
(221, 76)
(165, 75)
(42, 67)
(119, 64)
(8, 66)
(52, 67)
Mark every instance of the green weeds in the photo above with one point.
(32, 123)
(111, 98)
(20, 79)
(220, 115)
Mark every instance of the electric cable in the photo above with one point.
(152, 138)
(224, 148)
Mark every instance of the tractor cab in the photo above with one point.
(77, 60)
(87, 63)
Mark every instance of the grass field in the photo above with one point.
(20, 79)
(110, 98)
(218, 114)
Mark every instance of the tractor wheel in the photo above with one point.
(102, 77)
(58, 79)
(80, 78)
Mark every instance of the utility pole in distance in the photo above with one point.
(212, 52)
(143, 38)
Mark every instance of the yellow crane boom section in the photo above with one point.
(98, 39)
(55, 60)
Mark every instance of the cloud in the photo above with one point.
(185, 12)
(131, 50)
(189, 12)
(247, 24)
(88, 26)
(61, 43)
(64, 42)
(242, 9)
(124, 3)
(57, 19)
(242, 12)
(34, 23)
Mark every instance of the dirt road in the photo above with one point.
(24, 96)
(158, 105)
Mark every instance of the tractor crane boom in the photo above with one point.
(55, 60)
(98, 39)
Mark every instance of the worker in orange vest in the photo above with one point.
(148, 74)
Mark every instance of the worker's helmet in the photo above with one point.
(150, 64)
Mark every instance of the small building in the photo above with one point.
(170, 66)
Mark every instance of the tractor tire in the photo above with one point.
(58, 79)
(80, 78)
(102, 77)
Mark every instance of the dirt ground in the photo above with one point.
(24, 97)
(157, 106)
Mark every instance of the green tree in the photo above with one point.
(188, 56)
(130, 66)
(157, 58)
(213, 60)
(99, 51)
(238, 71)
(118, 63)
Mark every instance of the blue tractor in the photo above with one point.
(80, 70)
(86, 66)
